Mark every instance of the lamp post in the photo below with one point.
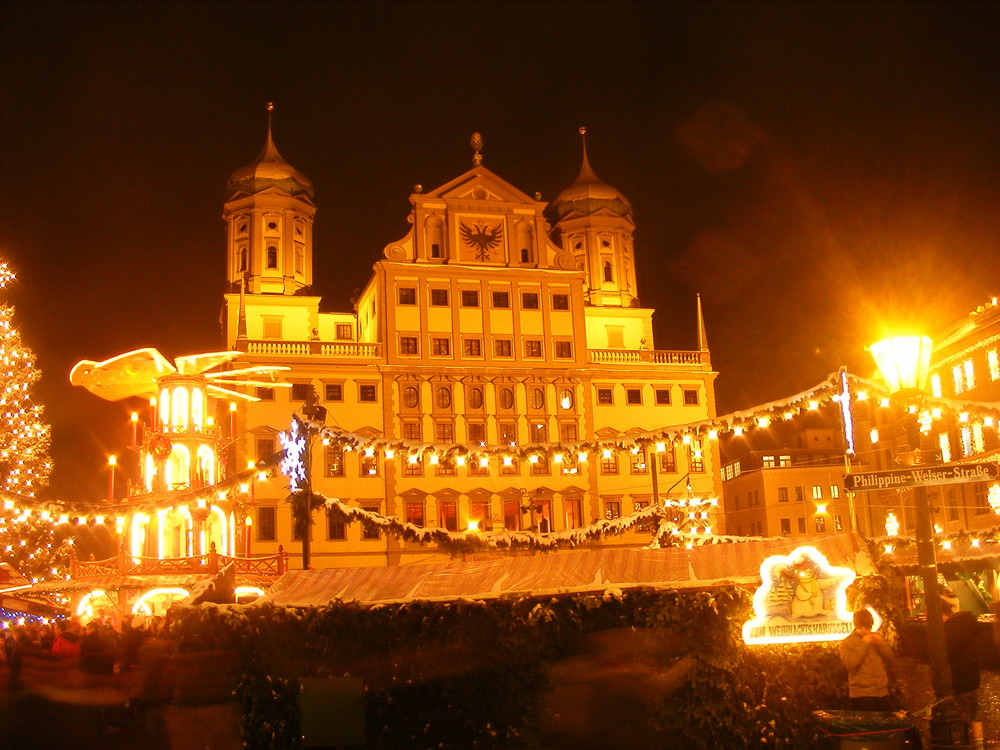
(112, 462)
(904, 363)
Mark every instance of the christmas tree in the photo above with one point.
(31, 539)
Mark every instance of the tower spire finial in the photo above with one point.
(477, 145)
(702, 333)
(586, 171)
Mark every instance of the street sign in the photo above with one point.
(921, 477)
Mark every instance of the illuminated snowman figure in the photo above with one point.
(807, 596)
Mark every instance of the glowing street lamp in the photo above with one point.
(112, 462)
(904, 363)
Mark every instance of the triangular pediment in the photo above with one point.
(607, 433)
(368, 432)
(480, 184)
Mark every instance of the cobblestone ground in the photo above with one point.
(915, 683)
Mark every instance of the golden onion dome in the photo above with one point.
(588, 194)
(268, 170)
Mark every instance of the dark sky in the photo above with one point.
(815, 170)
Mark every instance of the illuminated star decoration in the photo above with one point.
(292, 465)
(481, 238)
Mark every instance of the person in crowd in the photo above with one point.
(868, 661)
(66, 644)
(966, 639)
(97, 655)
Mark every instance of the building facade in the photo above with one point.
(483, 327)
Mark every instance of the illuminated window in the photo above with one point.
(272, 257)
(411, 431)
(697, 463)
(369, 466)
(448, 515)
(512, 515)
(612, 509)
(439, 297)
(786, 526)
(609, 463)
(444, 432)
(479, 511)
(560, 302)
(574, 517)
(834, 491)
(345, 331)
(502, 348)
(817, 491)
(538, 432)
(970, 374)
(838, 523)
(638, 462)
(477, 432)
(768, 462)
(958, 378)
(782, 494)
(944, 442)
(993, 361)
(265, 448)
(784, 461)
(300, 391)
(415, 513)
(267, 523)
(334, 461)
(441, 347)
(472, 347)
(667, 459)
(529, 300)
(470, 298)
(978, 440)
(541, 466)
(507, 432)
(567, 432)
(662, 397)
(537, 398)
(605, 396)
(501, 299)
(936, 386)
(633, 396)
(407, 295)
(966, 437)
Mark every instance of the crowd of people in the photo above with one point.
(129, 656)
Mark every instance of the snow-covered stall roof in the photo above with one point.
(557, 572)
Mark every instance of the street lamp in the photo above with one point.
(904, 363)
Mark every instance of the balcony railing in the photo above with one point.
(648, 356)
(336, 349)
(126, 564)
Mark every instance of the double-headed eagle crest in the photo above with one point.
(481, 238)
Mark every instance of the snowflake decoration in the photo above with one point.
(293, 465)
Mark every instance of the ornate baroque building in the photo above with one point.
(482, 326)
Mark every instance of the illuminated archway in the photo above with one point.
(179, 410)
(92, 603)
(137, 534)
(156, 601)
(197, 409)
(216, 530)
(177, 472)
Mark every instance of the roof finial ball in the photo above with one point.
(477, 145)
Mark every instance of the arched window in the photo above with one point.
(206, 465)
(197, 408)
(475, 398)
(411, 397)
(537, 398)
(272, 257)
(177, 472)
(444, 398)
(179, 410)
(506, 398)
(608, 276)
(243, 259)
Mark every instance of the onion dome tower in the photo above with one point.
(269, 214)
(593, 221)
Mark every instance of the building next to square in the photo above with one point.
(483, 326)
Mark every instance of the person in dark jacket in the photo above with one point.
(966, 640)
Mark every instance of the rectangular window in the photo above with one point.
(448, 515)
(272, 326)
(336, 529)
(563, 350)
(662, 397)
(408, 345)
(633, 396)
(440, 347)
(369, 532)
(817, 492)
(345, 331)
(413, 466)
(667, 459)
(439, 297)
(609, 462)
(802, 525)
(567, 432)
(444, 432)
(477, 433)
(511, 515)
(690, 397)
(472, 347)
(502, 348)
(574, 517)
(800, 494)
(267, 523)
(507, 432)
(697, 457)
(560, 302)
(369, 465)
(965, 434)
(970, 374)
(612, 509)
(411, 431)
(333, 392)
(978, 438)
(638, 462)
(479, 510)
(415, 513)
(782, 494)
(300, 391)
(944, 442)
(334, 461)
(265, 394)
(501, 299)
(470, 298)
(784, 461)
(958, 379)
(367, 393)
(980, 498)
(529, 300)
(786, 526)
(936, 386)
(407, 295)
(993, 362)
(511, 469)
(605, 396)
(540, 467)
(265, 448)
(834, 491)
(538, 432)
(476, 469)
(532, 348)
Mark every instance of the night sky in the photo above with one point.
(816, 172)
